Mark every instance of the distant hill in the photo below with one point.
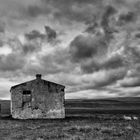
(4, 107)
(123, 105)
(117, 99)
(81, 107)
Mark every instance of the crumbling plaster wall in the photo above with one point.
(46, 100)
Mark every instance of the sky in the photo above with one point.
(90, 46)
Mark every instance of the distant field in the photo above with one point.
(103, 106)
(83, 107)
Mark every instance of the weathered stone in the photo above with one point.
(37, 99)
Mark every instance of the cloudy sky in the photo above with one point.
(91, 46)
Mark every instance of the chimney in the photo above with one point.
(38, 76)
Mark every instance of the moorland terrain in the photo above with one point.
(102, 119)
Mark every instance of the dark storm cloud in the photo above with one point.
(92, 27)
(110, 63)
(98, 58)
(71, 10)
(125, 18)
(2, 27)
(54, 63)
(101, 80)
(91, 53)
(86, 49)
(119, 1)
(89, 49)
(83, 47)
(1, 43)
(137, 35)
(103, 23)
(34, 35)
(35, 10)
(18, 56)
(50, 34)
(113, 62)
(90, 67)
(133, 53)
(11, 62)
(30, 48)
(109, 10)
(129, 17)
(21, 52)
(23, 49)
(111, 77)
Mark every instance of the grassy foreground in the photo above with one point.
(98, 127)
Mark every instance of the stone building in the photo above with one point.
(37, 99)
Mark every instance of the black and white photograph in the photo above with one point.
(69, 69)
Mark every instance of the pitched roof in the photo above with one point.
(35, 80)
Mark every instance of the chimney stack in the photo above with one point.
(38, 76)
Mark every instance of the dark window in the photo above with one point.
(62, 89)
(26, 92)
(0, 108)
(26, 98)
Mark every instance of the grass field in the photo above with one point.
(100, 127)
(85, 120)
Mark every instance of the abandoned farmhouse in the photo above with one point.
(37, 99)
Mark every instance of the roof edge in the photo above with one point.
(32, 81)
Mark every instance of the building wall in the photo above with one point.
(45, 101)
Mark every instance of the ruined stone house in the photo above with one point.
(37, 99)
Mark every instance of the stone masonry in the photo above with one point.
(37, 99)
